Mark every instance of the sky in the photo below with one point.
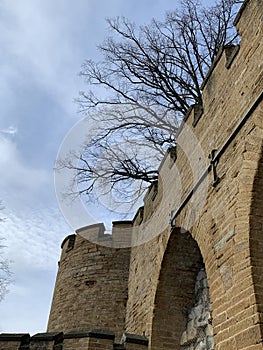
(43, 44)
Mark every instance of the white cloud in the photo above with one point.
(32, 240)
(43, 44)
(33, 230)
(31, 227)
(36, 49)
(33, 237)
(11, 130)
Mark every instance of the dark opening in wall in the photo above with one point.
(182, 298)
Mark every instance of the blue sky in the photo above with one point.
(43, 44)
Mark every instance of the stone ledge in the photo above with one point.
(94, 333)
(134, 339)
(118, 347)
(122, 222)
(51, 336)
(15, 337)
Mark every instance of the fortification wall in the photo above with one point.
(76, 340)
(92, 283)
(205, 214)
(221, 215)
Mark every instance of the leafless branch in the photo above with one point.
(139, 92)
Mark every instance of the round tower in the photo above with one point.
(92, 283)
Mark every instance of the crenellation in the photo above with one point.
(17, 341)
(46, 341)
(75, 340)
(186, 272)
(230, 52)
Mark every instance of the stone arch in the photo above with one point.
(177, 292)
(256, 236)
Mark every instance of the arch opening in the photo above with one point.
(256, 236)
(182, 312)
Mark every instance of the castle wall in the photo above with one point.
(224, 219)
(92, 282)
(192, 278)
(75, 340)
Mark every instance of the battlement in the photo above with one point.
(81, 340)
(207, 127)
(120, 236)
(187, 271)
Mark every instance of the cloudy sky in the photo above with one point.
(43, 44)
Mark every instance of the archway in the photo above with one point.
(256, 236)
(182, 312)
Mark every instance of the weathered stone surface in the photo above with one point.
(199, 330)
(226, 220)
(191, 219)
(92, 286)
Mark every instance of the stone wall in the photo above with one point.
(205, 212)
(92, 283)
(224, 217)
(75, 340)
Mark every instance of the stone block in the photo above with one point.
(88, 340)
(9, 341)
(46, 341)
(134, 342)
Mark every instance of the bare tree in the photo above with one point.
(140, 91)
(5, 273)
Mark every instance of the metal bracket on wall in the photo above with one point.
(214, 162)
(172, 219)
(215, 159)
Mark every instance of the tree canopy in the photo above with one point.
(139, 92)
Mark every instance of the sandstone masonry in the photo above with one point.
(186, 272)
